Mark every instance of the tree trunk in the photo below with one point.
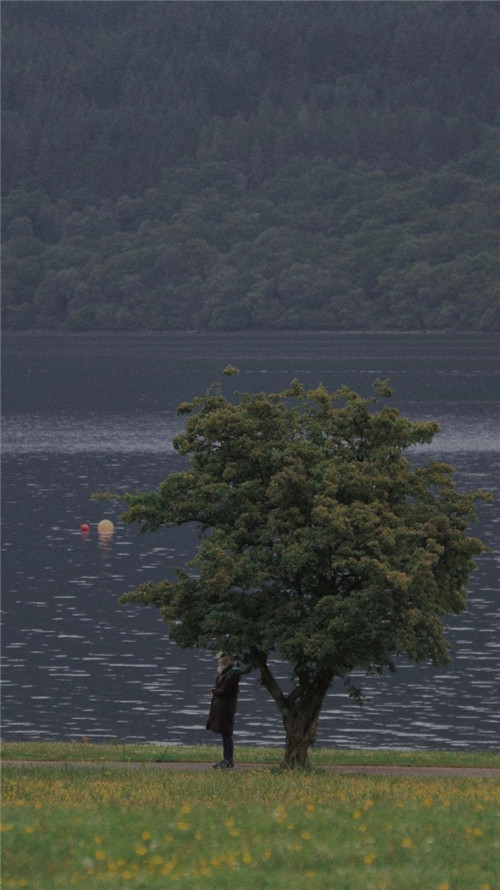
(300, 711)
(301, 728)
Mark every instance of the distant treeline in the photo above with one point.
(251, 165)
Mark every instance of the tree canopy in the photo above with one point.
(320, 541)
(250, 165)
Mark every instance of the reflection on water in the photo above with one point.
(38, 434)
(76, 663)
(151, 434)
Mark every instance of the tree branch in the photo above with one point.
(271, 684)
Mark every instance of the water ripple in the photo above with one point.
(108, 434)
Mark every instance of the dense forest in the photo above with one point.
(251, 165)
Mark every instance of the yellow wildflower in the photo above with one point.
(168, 868)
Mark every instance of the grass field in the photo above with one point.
(126, 752)
(257, 830)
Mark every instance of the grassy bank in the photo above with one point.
(87, 751)
(146, 829)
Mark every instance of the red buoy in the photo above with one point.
(84, 528)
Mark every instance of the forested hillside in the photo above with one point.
(227, 165)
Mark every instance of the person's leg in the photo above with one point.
(228, 753)
(228, 743)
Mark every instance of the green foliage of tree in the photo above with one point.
(319, 541)
(332, 161)
(292, 254)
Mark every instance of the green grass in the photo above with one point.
(113, 828)
(129, 752)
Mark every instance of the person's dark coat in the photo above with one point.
(224, 698)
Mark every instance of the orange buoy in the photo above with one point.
(105, 527)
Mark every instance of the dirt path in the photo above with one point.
(414, 771)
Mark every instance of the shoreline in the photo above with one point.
(257, 332)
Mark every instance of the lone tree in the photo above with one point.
(319, 541)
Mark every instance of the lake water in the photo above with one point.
(84, 414)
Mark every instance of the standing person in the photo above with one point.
(223, 707)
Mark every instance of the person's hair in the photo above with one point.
(222, 656)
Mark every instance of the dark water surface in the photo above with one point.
(83, 414)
